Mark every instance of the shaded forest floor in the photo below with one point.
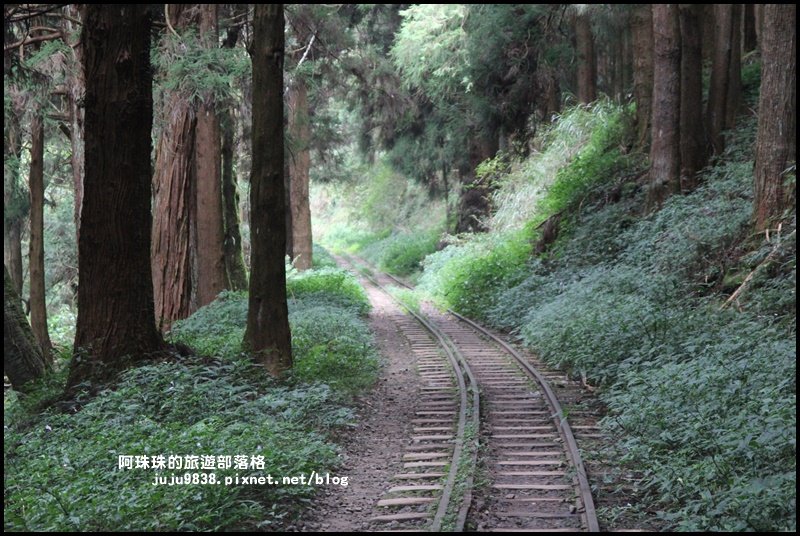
(61, 466)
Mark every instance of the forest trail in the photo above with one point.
(524, 478)
(373, 449)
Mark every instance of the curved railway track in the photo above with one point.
(477, 388)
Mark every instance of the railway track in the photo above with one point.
(477, 392)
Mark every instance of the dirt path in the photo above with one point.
(373, 450)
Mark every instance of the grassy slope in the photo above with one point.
(61, 468)
(704, 399)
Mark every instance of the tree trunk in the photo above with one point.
(211, 275)
(665, 148)
(36, 244)
(287, 201)
(173, 216)
(692, 136)
(267, 335)
(642, 29)
(76, 89)
(299, 169)
(723, 96)
(22, 357)
(16, 203)
(12, 251)
(734, 97)
(234, 259)
(777, 123)
(758, 13)
(173, 255)
(116, 321)
(749, 37)
(587, 63)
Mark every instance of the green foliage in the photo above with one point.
(198, 71)
(328, 286)
(322, 257)
(430, 49)
(563, 168)
(332, 347)
(468, 276)
(704, 399)
(597, 163)
(61, 469)
(401, 254)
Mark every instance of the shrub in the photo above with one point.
(401, 254)
(469, 276)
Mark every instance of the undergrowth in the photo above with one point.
(61, 467)
(701, 393)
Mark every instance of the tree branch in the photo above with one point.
(32, 40)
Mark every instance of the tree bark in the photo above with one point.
(173, 216)
(692, 135)
(299, 170)
(587, 63)
(734, 96)
(287, 201)
(211, 275)
(116, 321)
(725, 90)
(234, 259)
(22, 357)
(76, 89)
(36, 243)
(749, 36)
(16, 203)
(267, 335)
(642, 29)
(12, 251)
(665, 148)
(758, 13)
(777, 122)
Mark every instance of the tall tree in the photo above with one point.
(587, 62)
(234, 259)
(16, 202)
(749, 35)
(36, 243)
(692, 136)
(116, 321)
(211, 274)
(299, 173)
(75, 89)
(642, 30)
(267, 335)
(22, 356)
(724, 93)
(665, 146)
(777, 122)
(174, 210)
(188, 233)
